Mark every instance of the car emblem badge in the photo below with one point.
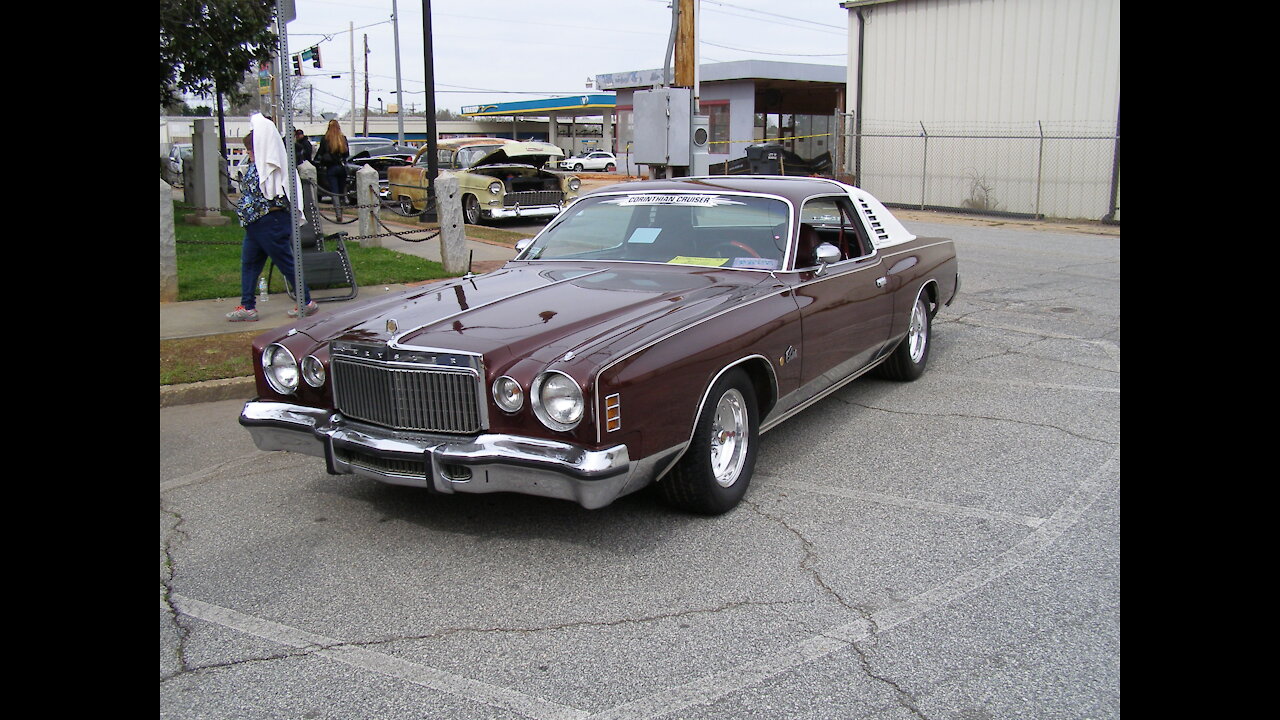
(787, 356)
(392, 327)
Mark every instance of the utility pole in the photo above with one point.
(366, 84)
(352, 29)
(429, 214)
(395, 17)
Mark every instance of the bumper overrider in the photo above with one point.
(446, 464)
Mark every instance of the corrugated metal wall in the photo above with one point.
(1007, 105)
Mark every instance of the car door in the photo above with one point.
(846, 307)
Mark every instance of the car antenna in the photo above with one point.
(470, 260)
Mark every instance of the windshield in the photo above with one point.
(712, 229)
(471, 155)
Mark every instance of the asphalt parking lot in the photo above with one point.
(948, 548)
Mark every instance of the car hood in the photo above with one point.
(535, 154)
(542, 310)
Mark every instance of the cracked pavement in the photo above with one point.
(948, 548)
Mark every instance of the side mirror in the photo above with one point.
(522, 244)
(825, 255)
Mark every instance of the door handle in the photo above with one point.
(880, 282)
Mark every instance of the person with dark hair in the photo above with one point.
(301, 147)
(331, 159)
(264, 209)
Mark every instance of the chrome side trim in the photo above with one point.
(776, 420)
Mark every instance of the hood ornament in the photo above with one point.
(392, 327)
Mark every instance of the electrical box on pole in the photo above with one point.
(662, 126)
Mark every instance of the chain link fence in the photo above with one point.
(1037, 169)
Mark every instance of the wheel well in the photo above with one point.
(930, 294)
(762, 379)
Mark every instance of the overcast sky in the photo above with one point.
(489, 51)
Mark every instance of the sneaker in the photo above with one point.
(242, 314)
(308, 309)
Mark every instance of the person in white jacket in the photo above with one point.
(264, 209)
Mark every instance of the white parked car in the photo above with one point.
(597, 160)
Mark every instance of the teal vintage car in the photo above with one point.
(497, 178)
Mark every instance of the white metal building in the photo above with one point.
(1009, 105)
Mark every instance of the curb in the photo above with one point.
(241, 388)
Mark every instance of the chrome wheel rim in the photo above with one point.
(918, 333)
(729, 438)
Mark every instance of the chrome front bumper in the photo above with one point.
(515, 211)
(445, 464)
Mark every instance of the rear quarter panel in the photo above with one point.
(914, 265)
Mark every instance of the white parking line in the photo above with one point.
(924, 505)
(712, 687)
(377, 662)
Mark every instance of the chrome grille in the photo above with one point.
(533, 197)
(407, 397)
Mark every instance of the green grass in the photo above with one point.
(209, 267)
(208, 261)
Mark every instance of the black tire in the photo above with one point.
(577, 168)
(610, 167)
(405, 207)
(714, 473)
(912, 354)
(470, 210)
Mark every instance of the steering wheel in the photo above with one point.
(727, 247)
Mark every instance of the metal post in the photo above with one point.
(1115, 173)
(1039, 167)
(295, 207)
(924, 163)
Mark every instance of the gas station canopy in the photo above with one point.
(575, 105)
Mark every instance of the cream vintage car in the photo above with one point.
(497, 178)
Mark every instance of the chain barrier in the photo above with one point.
(381, 206)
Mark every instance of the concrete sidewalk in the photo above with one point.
(196, 318)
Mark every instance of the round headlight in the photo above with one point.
(508, 394)
(495, 188)
(313, 371)
(557, 400)
(574, 184)
(280, 369)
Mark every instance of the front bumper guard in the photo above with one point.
(445, 464)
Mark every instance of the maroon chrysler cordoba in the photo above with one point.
(649, 334)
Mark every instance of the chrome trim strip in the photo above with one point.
(792, 412)
(917, 248)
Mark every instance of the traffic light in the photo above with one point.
(297, 65)
(315, 56)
